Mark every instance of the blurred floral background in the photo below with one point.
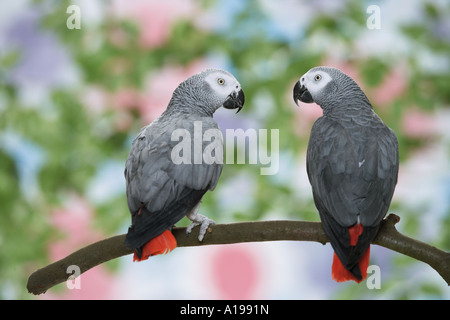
(72, 100)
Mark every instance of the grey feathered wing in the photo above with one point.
(353, 171)
(160, 192)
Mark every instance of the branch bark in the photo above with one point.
(111, 248)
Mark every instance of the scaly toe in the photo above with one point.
(190, 227)
(204, 227)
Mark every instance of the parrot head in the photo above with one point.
(316, 85)
(223, 89)
(326, 86)
(207, 91)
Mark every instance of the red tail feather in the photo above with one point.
(162, 244)
(338, 271)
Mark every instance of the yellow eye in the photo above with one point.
(317, 77)
(221, 81)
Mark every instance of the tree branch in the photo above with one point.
(97, 253)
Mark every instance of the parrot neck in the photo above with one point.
(184, 100)
(349, 98)
(177, 106)
(347, 107)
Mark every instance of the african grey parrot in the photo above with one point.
(352, 165)
(160, 190)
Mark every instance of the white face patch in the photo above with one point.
(315, 81)
(223, 84)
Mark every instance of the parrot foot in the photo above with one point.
(202, 221)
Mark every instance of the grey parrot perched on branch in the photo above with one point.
(160, 188)
(352, 165)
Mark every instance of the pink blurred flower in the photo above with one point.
(236, 273)
(94, 99)
(393, 86)
(154, 17)
(74, 223)
(126, 98)
(418, 124)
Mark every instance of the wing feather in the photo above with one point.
(353, 173)
(168, 191)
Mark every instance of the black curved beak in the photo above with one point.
(235, 100)
(302, 94)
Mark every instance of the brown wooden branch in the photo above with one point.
(97, 253)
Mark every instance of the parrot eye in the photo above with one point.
(221, 81)
(317, 77)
